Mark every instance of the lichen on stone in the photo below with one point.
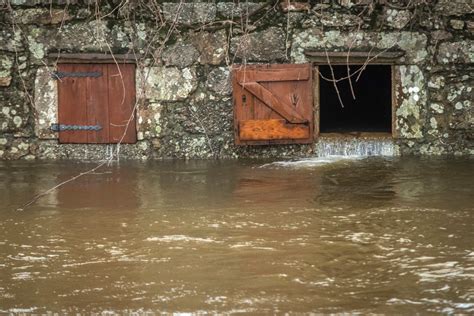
(183, 12)
(45, 103)
(6, 66)
(411, 102)
(456, 52)
(413, 44)
(167, 83)
(267, 45)
(397, 19)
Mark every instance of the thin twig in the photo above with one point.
(40, 195)
(334, 80)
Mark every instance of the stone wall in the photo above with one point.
(186, 50)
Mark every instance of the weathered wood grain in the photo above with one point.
(272, 129)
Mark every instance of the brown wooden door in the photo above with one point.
(72, 102)
(106, 99)
(122, 103)
(273, 104)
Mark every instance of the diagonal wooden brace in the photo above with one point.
(273, 102)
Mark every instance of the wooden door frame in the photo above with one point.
(317, 99)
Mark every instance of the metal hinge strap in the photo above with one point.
(64, 127)
(62, 74)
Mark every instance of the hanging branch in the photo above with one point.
(334, 80)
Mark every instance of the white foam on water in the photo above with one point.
(22, 257)
(443, 274)
(22, 276)
(324, 283)
(398, 301)
(336, 150)
(361, 237)
(174, 238)
(311, 162)
(254, 247)
(215, 299)
(84, 263)
(22, 310)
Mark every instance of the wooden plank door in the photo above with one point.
(72, 103)
(273, 104)
(97, 95)
(121, 81)
(97, 100)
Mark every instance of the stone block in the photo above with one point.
(397, 19)
(459, 93)
(456, 24)
(294, 6)
(432, 22)
(14, 113)
(6, 65)
(267, 45)
(15, 148)
(470, 26)
(333, 19)
(462, 119)
(166, 83)
(439, 35)
(233, 9)
(410, 93)
(41, 16)
(149, 119)
(189, 13)
(5, 81)
(93, 36)
(180, 54)
(211, 46)
(46, 103)
(454, 7)
(456, 52)
(413, 44)
(219, 81)
(10, 40)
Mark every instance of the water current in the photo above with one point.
(326, 235)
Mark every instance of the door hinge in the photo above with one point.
(64, 127)
(62, 74)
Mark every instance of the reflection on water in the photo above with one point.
(381, 235)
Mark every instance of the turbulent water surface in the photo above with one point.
(328, 235)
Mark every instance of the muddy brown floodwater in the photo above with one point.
(371, 235)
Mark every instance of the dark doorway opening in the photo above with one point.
(370, 111)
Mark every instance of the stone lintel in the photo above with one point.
(94, 58)
(379, 57)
